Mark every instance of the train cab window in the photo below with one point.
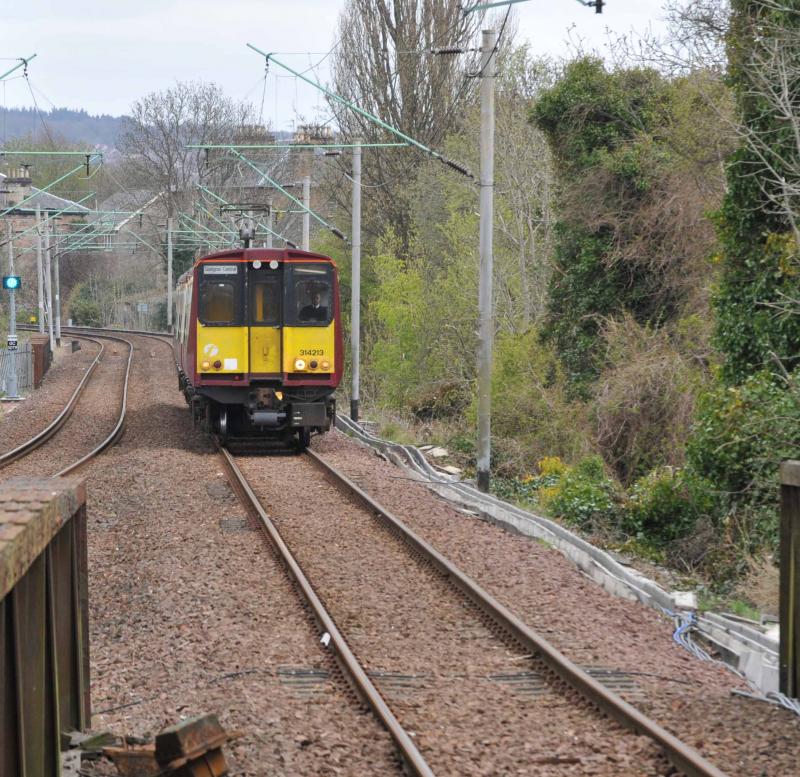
(309, 295)
(265, 302)
(218, 302)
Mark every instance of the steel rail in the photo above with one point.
(119, 428)
(165, 338)
(117, 330)
(52, 428)
(681, 755)
(345, 657)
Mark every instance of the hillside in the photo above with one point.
(73, 126)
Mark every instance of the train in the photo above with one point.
(259, 346)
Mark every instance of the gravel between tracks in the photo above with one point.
(448, 678)
(690, 698)
(22, 420)
(93, 418)
(191, 613)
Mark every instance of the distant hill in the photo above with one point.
(69, 125)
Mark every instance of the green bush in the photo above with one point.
(743, 433)
(85, 313)
(583, 495)
(667, 503)
(756, 223)
(529, 397)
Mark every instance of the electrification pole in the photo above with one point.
(12, 387)
(48, 284)
(57, 295)
(39, 270)
(486, 329)
(306, 213)
(169, 273)
(270, 223)
(355, 308)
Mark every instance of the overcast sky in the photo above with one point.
(102, 55)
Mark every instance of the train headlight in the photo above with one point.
(256, 264)
(326, 365)
(299, 364)
(217, 364)
(205, 366)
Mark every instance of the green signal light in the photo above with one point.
(12, 282)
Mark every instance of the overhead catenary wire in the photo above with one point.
(366, 114)
(38, 112)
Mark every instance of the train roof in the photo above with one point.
(253, 254)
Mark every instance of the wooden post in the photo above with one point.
(790, 579)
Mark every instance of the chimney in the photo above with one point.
(17, 186)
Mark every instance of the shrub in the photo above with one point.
(528, 396)
(86, 313)
(526, 489)
(667, 503)
(583, 495)
(743, 433)
(644, 399)
(551, 465)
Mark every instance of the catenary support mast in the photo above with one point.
(169, 274)
(57, 296)
(48, 285)
(307, 213)
(485, 301)
(355, 308)
(39, 270)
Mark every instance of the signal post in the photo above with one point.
(11, 283)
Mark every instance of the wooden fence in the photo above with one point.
(44, 626)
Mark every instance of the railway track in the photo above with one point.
(587, 699)
(52, 430)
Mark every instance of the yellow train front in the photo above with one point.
(259, 344)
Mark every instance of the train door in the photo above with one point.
(264, 298)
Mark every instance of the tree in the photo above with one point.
(616, 232)
(757, 301)
(154, 139)
(383, 63)
(426, 362)
(695, 40)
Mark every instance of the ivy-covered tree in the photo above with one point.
(758, 312)
(616, 250)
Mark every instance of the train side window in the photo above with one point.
(265, 302)
(187, 309)
(218, 302)
(309, 295)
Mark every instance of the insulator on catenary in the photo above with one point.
(458, 167)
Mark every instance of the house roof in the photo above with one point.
(49, 202)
